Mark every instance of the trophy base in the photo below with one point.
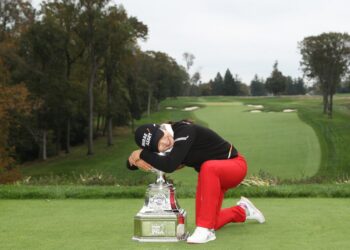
(162, 227)
(156, 239)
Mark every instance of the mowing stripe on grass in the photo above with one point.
(108, 224)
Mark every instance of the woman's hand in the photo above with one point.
(141, 164)
(135, 160)
(135, 156)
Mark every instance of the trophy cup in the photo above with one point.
(160, 219)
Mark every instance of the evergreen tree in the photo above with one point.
(217, 85)
(257, 87)
(276, 83)
(295, 86)
(230, 86)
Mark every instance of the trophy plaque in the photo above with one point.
(160, 219)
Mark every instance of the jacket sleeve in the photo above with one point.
(168, 163)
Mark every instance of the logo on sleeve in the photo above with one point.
(181, 138)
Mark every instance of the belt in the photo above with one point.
(229, 152)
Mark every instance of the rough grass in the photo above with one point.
(108, 224)
(113, 192)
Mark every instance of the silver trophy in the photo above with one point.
(160, 219)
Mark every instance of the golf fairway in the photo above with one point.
(274, 142)
(313, 223)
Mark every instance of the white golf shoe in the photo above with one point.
(201, 235)
(251, 211)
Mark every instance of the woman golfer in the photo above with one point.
(218, 163)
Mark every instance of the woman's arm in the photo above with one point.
(135, 160)
(141, 164)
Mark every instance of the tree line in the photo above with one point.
(229, 85)
(70, 72)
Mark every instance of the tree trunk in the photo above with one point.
(103, 125)
(91, 107)
(91, 25)
(149, 102)
(132, 126)
(325, 102)
(68, 137)
(44, 150)
(109, 81)
(58, 141)
(110, 132)
(158, 106)
(98, 124)
(330, 106)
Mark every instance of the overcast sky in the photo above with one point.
(245, 36)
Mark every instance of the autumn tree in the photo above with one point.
(15, 17)
(13, 102)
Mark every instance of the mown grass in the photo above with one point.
(333, 134)
(274, 142)
(108, 224)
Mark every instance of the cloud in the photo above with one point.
(245, 36)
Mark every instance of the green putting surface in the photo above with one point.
(108, 224)
(274, 142)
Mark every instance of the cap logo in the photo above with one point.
(146, 139)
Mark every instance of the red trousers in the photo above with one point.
(214, 179)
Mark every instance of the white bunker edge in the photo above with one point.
(258, 109)
(255, 106)
(190, 108)
(289, 110)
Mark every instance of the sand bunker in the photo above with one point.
(255, 111)
(190, 108)
(289, 110)
(169, 108)
(256, 106)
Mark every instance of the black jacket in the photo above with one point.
(193, 145)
